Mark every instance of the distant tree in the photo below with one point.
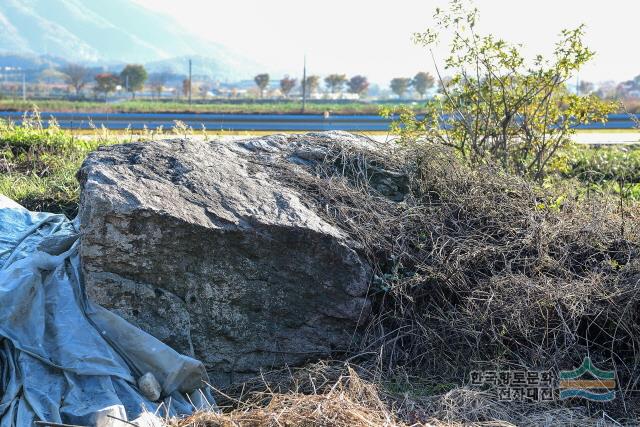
(311, 84)
(606, 90)
(624, 89)
(399, 85)
(585, 88)
(444, 83)
(287, 84)
(358, 84)
(422, 82)
(262, 81)
(186, 84)
(157, 81)
(133, 77)
(106, 83)
(335, 82)
(76, 76)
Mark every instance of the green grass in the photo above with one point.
(605, 169)
(149, 106)
(598, 164)
(38, 165)
(57, 192)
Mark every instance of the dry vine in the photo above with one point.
(477, 269)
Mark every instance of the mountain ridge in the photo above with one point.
(96, 32)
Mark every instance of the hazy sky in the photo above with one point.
(373, 37)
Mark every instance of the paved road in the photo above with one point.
(214, 122)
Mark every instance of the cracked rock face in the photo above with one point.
(201, 245)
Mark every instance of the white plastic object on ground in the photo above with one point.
(64, 359)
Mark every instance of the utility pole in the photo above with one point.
(304, 83)
(189, 82)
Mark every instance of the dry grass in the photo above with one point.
(349, 402)
(354, 401)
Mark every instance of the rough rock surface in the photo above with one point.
(201, 245)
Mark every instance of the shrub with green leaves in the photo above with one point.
(498, 106)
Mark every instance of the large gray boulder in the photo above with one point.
(202, 245)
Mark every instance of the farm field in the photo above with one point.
(150, 106)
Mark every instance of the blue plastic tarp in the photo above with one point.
(64, 359)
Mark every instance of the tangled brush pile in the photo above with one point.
(477, 269)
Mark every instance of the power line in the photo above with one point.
(189, 81)
(304, 83)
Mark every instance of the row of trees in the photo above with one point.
(609, 90)
(628, 89)
(335, 83)
(132, 78)
(422, 82)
